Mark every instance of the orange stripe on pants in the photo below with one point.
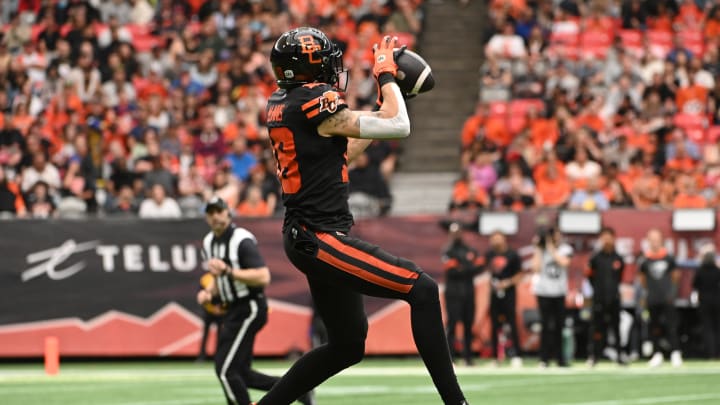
(366, 257)
(363, 274)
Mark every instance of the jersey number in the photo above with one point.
(288, 170)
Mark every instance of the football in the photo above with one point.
(414, 75)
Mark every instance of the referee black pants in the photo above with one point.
(233, 358)
(339, 270)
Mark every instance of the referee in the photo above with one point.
(240, 276)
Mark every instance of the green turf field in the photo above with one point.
(373, 382)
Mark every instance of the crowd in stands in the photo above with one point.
(595, 104)
(142, 107)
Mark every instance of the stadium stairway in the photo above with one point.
(452, 44)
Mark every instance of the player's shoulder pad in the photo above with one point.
(319, 100)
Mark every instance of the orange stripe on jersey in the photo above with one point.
(312, 113)
(366, 257)
(363, 274)
(310, 103)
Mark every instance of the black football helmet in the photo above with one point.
(306, 55)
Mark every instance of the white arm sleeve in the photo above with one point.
(387, 128)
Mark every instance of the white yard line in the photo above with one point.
(674, 399)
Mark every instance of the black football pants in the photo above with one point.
(339, 270)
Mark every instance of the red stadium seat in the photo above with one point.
(696, 135)
(693, 125)
(145, 43)
(632, 41)
(498, 108)
(660, 41)
(686, 121)
(522, 106)
(516, 123)
(692, 40)
(595, 43)
(713, 134)
(659, 37)
(564, 43)
(138, 30)
(65, 29)
(35, 31)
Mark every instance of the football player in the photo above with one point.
(314, 135)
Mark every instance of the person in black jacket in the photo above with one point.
(707, 285)
(462, 263)
(605, 273)
(505, 268)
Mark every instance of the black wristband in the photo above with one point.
(385, 78)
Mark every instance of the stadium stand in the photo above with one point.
(102, 100)
(620, 96)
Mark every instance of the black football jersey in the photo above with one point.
(312, 168)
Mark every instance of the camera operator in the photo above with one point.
(550, 262)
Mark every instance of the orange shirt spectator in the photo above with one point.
(627, 179)
(513, 7)
(22, 119)
(592, 121)
(496, 131)
(646, 189)
(683, 200)
(301, 8)
(549, 160)
(544, 130)
(689, 197)
(553, 189)
(712, 26)
(682, 164)
(691, 99)
(470, 130)
(689, 15)
(253, 205)
(465, 195)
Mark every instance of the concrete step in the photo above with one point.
(452, 45)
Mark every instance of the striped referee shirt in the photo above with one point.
(237, 247)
